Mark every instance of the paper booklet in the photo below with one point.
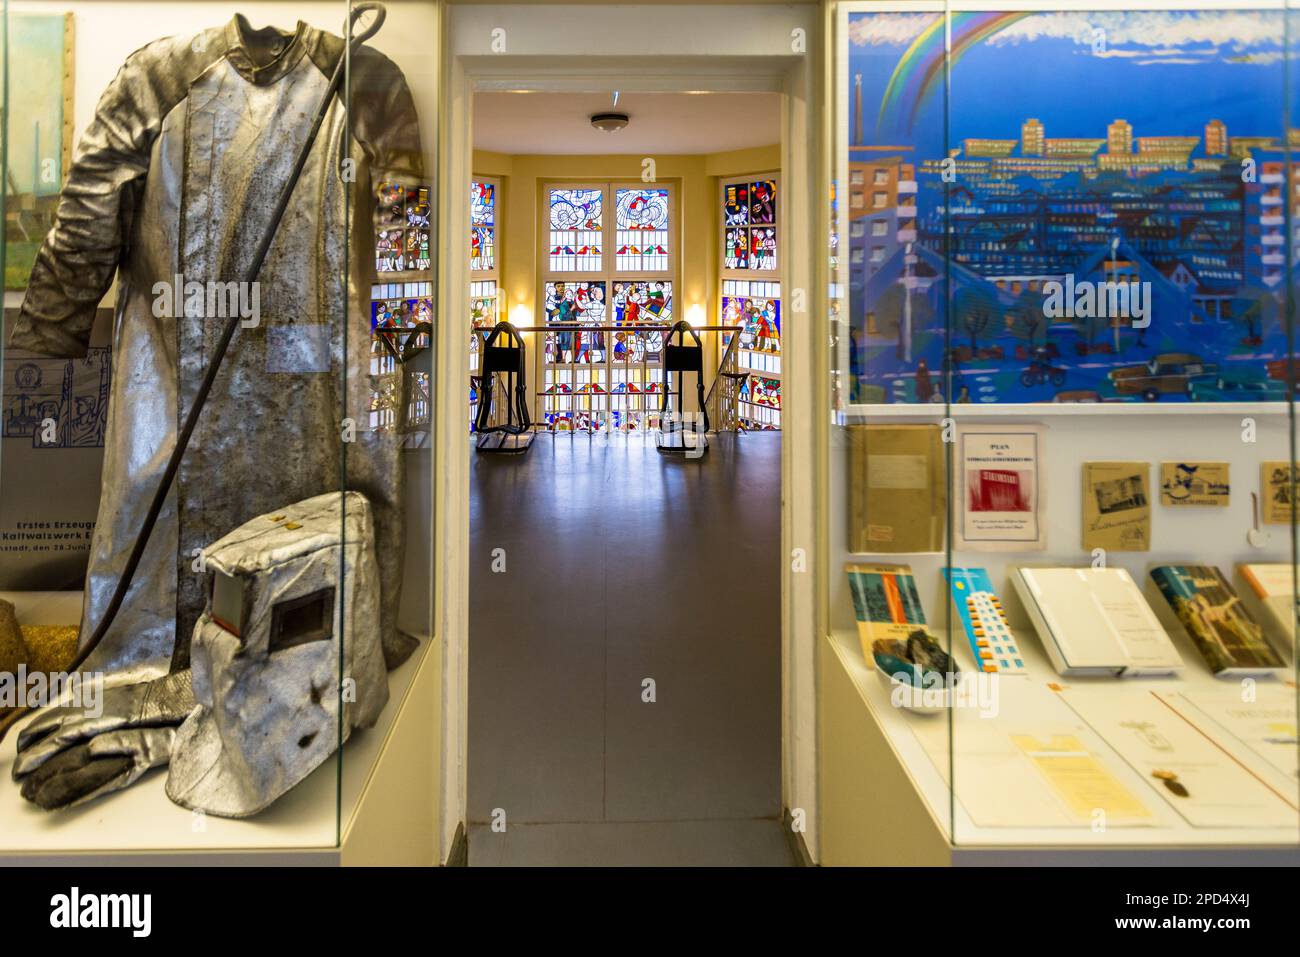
(978, 608)
(885, 602)
(1269, 592)
(1192, 773)
(898, 499)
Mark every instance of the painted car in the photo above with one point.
(1236, 386)
(1167, 374)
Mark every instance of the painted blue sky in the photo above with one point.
(1167, 73)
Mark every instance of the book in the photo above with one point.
(1094, 621)
(1223, 631)
(1116, 507)
(885, 602)
(1268, 591)
(898, 499)
(979, 610)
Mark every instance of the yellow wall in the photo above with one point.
(699, 226)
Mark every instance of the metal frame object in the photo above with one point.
(510, 437)
(673, 437)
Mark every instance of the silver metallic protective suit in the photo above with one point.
(268, 699)
(178, 174)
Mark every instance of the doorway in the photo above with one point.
(510, 48)
(624, 671)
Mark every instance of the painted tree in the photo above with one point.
(976, 311)
(1262, 309)
(1027, 317)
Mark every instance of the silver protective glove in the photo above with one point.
(68, 756)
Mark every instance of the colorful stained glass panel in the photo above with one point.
(641, 227)
(576, 220)
(762, 203)
(642, 301)
(735, 204)
(482, 214)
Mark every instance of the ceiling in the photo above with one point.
(661, 123)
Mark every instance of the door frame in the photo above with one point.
(775, 49)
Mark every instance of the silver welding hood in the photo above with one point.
(290, 632)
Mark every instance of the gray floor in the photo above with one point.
(624, 565)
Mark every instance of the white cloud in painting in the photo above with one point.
(1171, 33)
(888, 29)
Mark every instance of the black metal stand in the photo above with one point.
(511, 437)
(673, 437)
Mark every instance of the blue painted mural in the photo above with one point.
(1069, 206)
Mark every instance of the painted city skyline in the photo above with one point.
(1143, 149)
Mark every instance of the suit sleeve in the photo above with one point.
(387, 125)
(79, 257)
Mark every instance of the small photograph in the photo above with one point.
(999, 490)
(1120, 494)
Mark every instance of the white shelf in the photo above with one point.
(1171, 833)
(937, 410)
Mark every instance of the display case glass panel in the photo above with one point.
(205, 297)
(1062, 384)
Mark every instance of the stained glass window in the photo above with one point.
(483, 303)
(575, 227)
(484, 294)
(762, 247)
(642, 301)
(760, 402)
(641, 230)
(762, 203)
(402, 252)
(483, 225)
(606, 377)
(750, 247)
(577, 302)
(749, 225)
(735, 204)
(756, 307)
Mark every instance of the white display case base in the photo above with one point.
(375, 803)
(885, 801)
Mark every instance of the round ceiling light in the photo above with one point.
(609, 122)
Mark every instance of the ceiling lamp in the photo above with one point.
(609, 122)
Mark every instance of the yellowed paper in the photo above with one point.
(1275, 482)
(1079, 779)
(898, 498)
(1116, 506)
(1194, 483)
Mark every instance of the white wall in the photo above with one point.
(108, 32)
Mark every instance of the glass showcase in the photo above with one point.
(1062, 479)
(216, 308)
